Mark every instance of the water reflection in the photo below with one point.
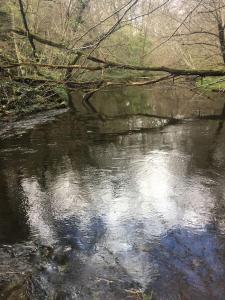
(177, 101)
(143, 210)
(13, 210)
(192, 264)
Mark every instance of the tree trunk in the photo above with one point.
(221, 39)
(5, 26)
(6, 43)
(26, 27)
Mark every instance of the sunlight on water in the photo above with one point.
(142, 210)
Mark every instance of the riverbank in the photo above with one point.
(20, 99)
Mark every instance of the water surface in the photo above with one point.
(132, 208)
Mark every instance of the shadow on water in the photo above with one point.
(190, 263)
(70, 234)
(98, 209)
(13, 219)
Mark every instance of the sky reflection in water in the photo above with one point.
(148, 206)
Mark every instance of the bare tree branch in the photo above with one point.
(29, 36)
(174, 33)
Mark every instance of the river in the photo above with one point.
(109, 202)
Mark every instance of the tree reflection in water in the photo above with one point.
(141, 211)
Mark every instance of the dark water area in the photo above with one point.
(122, 206)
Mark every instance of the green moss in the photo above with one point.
(211, 83)
(62, 93)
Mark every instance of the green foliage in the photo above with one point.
(132, 47)
(21, 98)
(62, 93)
(211, 83)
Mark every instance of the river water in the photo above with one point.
(127, 205)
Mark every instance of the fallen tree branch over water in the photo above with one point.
(110, 65)
(96, 84)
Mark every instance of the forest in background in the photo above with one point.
(48, 47)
